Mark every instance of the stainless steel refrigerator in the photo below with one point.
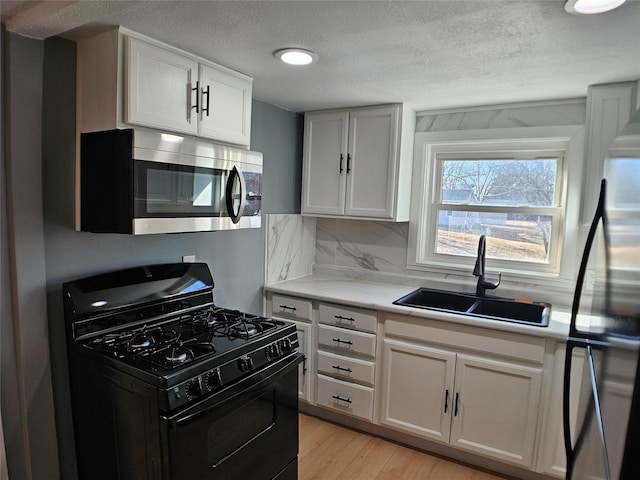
(602, 363)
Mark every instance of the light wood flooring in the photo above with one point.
(328, 452)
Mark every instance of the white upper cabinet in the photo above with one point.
(159, 92)
(357, 163)
(127, 79)
(225, 110)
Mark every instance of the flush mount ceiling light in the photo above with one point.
(591, 6)
(296, 56)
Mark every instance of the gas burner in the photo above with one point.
(137, 341)
(244, 329)
(207, 319)
(172, 356)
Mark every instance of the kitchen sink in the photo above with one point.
(494, 308)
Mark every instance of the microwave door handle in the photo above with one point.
(236, 173)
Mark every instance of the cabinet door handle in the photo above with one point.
(340, 317)
(340, 399)
(206, 92)
(446, 400)
(197, 90)
(346, 342)
(341, 159)
(348, 163)
(304, 364)
(338, 367)
(455, 412)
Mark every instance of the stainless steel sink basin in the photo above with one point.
(494, 308)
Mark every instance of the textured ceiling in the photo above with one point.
(431, 54)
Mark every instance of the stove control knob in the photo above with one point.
(245, 364)
(213, 379)
(194, 387)
(273, 351)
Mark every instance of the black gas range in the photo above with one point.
(167, 385)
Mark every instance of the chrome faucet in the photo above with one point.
(478, 270)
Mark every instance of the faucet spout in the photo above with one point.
(478, 270)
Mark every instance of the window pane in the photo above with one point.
(499, 182)
(509, 236)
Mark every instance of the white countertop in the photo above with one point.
(380, 296)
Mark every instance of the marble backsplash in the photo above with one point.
(290, 247)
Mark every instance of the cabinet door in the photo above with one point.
(373, 150)
(324, 163)
(496, 409)
(304, 369)
(158, 91)
(418, 389)
(225, 105)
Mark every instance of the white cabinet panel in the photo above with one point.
(324, 163)
(348, 317)
(418, 389)
(159, 88)
(347, 341)
(346, 368)
(496, 408)
(290, 307)
(356, 400)
(225, 105)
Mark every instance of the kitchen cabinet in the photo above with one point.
(127, 79)
(357, 163)
(346, 359)
(298, 311)
(445, 391)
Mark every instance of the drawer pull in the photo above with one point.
(346, 342)
(338, 367)
(287, 307)
(340, 399)
(340, 317)
(455, 413)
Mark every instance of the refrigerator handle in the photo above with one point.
(566, 410)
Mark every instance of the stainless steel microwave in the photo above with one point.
(143, 182)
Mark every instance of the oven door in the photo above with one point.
(249, 431)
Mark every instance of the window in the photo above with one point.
(512, 190)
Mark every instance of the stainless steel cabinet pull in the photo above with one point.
(338, 367)
(446, 400)
(346, 342)
(455, 412)
(340, 317)
(206, 92)
(197, 90)
(287, 307)
(340, 399)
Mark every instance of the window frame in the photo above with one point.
(536, 141)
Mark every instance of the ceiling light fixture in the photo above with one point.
(296, 56)
(591, 6)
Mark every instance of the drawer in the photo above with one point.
(349, 317)
(346, 368)
(290, 307)
(345, 397)
(347, 341)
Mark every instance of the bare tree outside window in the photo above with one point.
(505, 199)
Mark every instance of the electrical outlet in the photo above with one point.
(188, 259)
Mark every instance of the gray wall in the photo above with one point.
(236, 258)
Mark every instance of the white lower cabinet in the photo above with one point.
(479, 404)
(298, 311)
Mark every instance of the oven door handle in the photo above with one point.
(250, 385)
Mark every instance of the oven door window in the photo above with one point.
(169, 190)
